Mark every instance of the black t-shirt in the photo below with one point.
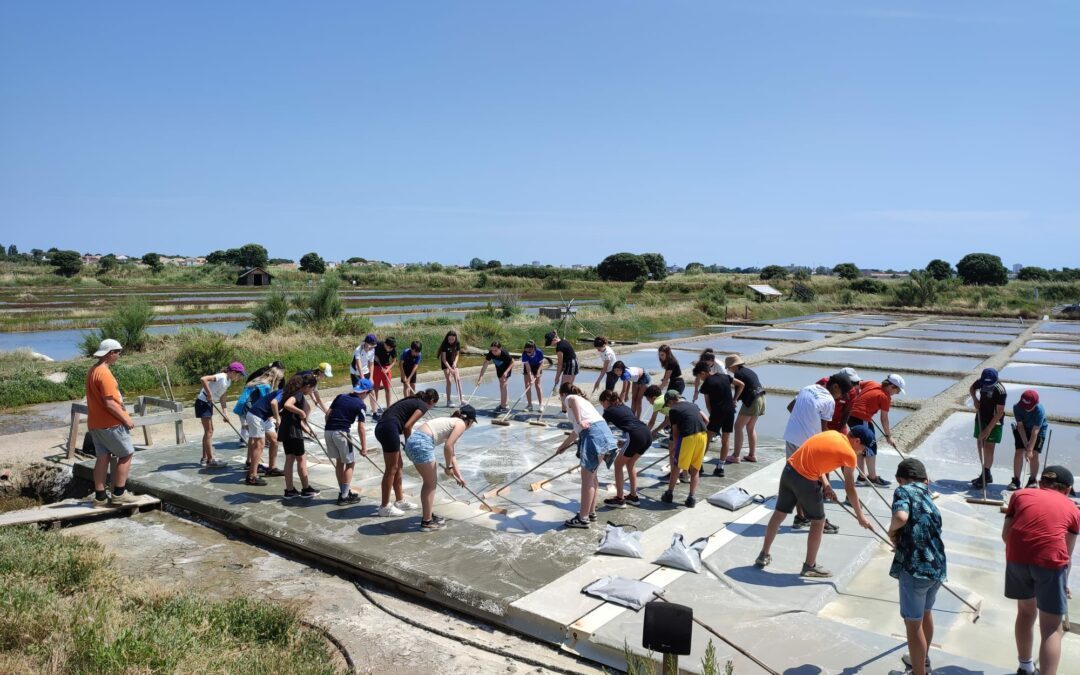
(752, 388)
(989, 399)
(400, 412)
(290, 422)
(622, 418)
(566, 349)
(384, 356)
(717, 388)
(687, 417)
(672, 364)
(451, 351)
(502, 360)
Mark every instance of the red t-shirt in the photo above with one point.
(1041, 518)
(871, 400)
(843, 410)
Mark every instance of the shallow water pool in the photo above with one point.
(887, 359)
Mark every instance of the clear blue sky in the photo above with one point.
(737, 133)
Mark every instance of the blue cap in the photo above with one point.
(863, 433)
(989, 377)
(363, 385)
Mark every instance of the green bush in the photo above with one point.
(482, 280)
(713, 302)
(639, 284)
(201, 353)
(481, 329)
(868, 285)
(272, 312)
(322, 306)
(509, 304)
(127, 323)
(920, 290)
(352, 325)
(613, 301)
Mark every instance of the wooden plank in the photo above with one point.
(73, 509)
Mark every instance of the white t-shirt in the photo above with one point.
(365, 357)
(218, 386)
(608, 357)
(812, 405)
(586, 410)
(441, 428)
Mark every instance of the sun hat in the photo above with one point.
(549, 338)
(895, 380)
(911, 469)
(1029, 399)
(989, 377)
(237, 367)
(106, 346)
(371, 339)
(362, 385)
(1057, 474)
(467, 412)
(863, 434)
(325, 368)
(732, 360)
(851, 375)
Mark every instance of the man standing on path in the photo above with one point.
(110, 426)
(874, 398)
(1029, 434)
(1040, 534)
(988, 396)
(811, 411)
(805, 482)
(919, 560)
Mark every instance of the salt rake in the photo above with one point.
(503, 421)
(984, 500)
(229, 422)
(497, 491)
(483, 504)
(539, 421)
(541, 484)
(934, 494)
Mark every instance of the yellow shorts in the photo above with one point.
(692, 451)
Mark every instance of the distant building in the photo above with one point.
(536, 263)
(91, 258)
(1017, 267)
(765, 292)
(256, 276)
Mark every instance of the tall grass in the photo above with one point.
(127, 324)
(272, 312)
(323, 305)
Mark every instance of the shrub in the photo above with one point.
(312, 262)
(1057, 292)
(67, 263)
(509, 304)
(982, 269)
(656, 264)
(847, 271)
(639, 284)
(323, 305)
(622, 267)
(352, 325)
(482, 329)
(613, 301)
(773, 272)
(271, 313)
(713, 302)
(940, 269)
(846, 297)
(202, 352)
(482, 280)
(868, 285)
(1033, 274)
(555, 282)
(920, 290)
(803, 293)
(127, 323)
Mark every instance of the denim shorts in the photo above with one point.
(420, 448)
(593, 443)
(916, 596)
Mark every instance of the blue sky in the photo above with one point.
(736, 133)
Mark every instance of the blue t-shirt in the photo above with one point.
(344, 412)
(261, 408)
(1031, 418)
(919, 550)
(250, 395)
(410, 358)
(534, 360)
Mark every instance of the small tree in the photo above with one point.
(67, 263)
(656, 264)
(802, 274)
(694, 268)
(622, 267)
(271, 313)
(323, 305)
(153, 261)
(847, 271)
(477, 264)
(773, 272)
(982, 269)
(312, 262)
(1033, 274)
(12, 251)
(493, 264)
(250, 255)
(940, 269)
(107, 263)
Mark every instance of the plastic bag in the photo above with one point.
(619, 541)
(682, 556)
(623, 591)
(734, 498)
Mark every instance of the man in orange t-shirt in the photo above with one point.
(874, 398)
(805, 483)
(110, 426)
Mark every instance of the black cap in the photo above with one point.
(911, 469)
(468, 412)
(549, 338)
(1058, 475)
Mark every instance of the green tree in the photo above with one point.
(107, 263)
(694, 268)
(153, 261)
(802, 274)
(477, 264)
(67, 263)
(272, 312)
(217, 258)
(493, 265)
(251, 255)
(847, 271)
(919, 290)
(982, 269)
(312, 262)
(12, 251)
(323, 305)
(656, 264)
(622, 267)
(773, 272)
(1033, 274)
(940, 269)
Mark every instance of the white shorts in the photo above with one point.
(257, 427)
(338, 447)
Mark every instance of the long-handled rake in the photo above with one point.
(468, 399)
(985, 500)
(541, 484)
(225, 417)
(496, 492)
(483, 504)
(539, 421)
(934, 494)
(504, 420)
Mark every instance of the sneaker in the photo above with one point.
(830, 528)
(202, 461)
(376, 416)
(292, 493)
(691, 502)
(632, 500)
(437, 518)
(259, 482)
(99, 503)
(684, 476)
(262, 469)
(815, 572)
(430, 525)
(880, 482)
(906, 658)
(1014, 484)
(309, 492)
(800, 523)
(529, 408)
(763, 560)
(718, 471)
(390, 511)
(215, 463)
(1031, 482)
(406, 505)
(1021, 671)
(615, 502)
(351, 498)
(126, 499)
(592, 517)
(978, 483)
(273, 473)
(577, 523)
(667, 497)
(862, 482)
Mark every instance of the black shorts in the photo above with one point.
(678, 384)
(529, 370)
(611, 379)
(500, 371)
(293, 446)
(722, 421)
(1016, 438)
(570, 367)
(203, 410)
(389, 436)
(638, 442)
(798, 489)
(409, 373)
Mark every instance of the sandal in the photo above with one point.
(751, 458)
(577, 522)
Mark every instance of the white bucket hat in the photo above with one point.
(107, 346)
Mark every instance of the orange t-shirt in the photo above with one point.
(100, 384)
(870, 400)
(822, 453)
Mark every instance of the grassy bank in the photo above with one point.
(64, 609)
